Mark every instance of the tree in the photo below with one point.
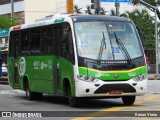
(103, 11)
(145, 23)
(151, 2)
(113, 13)
(89, 10)
(6, 23)
(77, 9)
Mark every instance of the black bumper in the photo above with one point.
(126, 88)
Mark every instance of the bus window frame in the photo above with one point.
(64, 40)
(11, 51)
(53, 50)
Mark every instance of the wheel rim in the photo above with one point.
(27, 92)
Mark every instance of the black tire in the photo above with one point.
(128, 100)
(32, 95)
(73, 101)
(37, 96)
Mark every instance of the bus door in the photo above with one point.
(13, 61)
(57, 66)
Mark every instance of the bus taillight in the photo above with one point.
(16, 28)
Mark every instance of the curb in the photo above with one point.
(153, 78)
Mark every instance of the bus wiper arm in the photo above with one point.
(123, 48)
(103, 44)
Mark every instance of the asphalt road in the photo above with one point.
(145, 108)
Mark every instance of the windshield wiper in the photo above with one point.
(123, 48)
(103, 44)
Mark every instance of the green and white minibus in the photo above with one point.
(78, 56)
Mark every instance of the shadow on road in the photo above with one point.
(87, 103)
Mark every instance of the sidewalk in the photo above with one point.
(153, 77)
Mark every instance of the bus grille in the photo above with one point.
(126, 88)
(114, 67)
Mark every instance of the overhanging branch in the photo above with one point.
(150, 7)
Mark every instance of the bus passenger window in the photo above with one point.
(50, 39)
(35, 41)
(25, 43)
(44, 37)
(47, 40)
(14, 45)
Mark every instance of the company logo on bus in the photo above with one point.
(22, 66)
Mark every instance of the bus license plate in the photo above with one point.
(115, 92)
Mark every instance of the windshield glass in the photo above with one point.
(90, 35)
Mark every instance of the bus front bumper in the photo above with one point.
(115, 88)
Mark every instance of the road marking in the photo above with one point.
(110, 110)
(143, 109)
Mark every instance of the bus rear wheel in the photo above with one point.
(73, 101)
(32, 95)
(128, 100)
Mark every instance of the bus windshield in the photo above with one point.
(91, 35)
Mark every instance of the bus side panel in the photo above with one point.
(11, 71)
(40, 72)
(67, 72)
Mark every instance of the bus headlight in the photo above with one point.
(87, 78)
(140, 77)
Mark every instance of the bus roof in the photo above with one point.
(57, 18)
(98, 17)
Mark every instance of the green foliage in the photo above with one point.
(89, 10)
(77, 9)
(113, 12)
(103, 11)
(145, 23)
(150, 2)
(7, 22)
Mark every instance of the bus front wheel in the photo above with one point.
(128, 100)
(73, 101)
